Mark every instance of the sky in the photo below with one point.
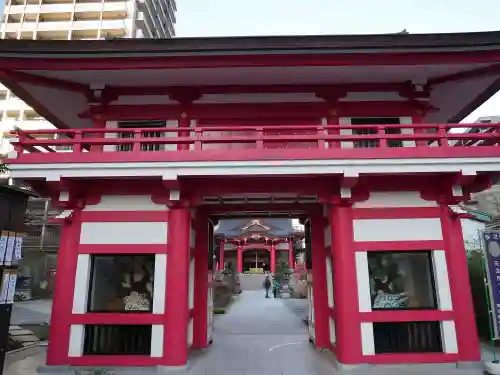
(309, 17)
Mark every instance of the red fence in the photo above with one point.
(332, 138)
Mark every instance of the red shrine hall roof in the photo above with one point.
(447, 75)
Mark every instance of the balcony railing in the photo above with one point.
(249, 142)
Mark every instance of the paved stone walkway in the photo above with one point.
(260, 336)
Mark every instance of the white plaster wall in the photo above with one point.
(329, 281)
(345, 121)
(328, 236)
(407, 120)
(76, 339)
(191, 284)
(157, 333)
(395, 199)
(82, 279)
(397, 229)
(110, 125)
(190, 333)
(442, 280)
(171, 124)
(160, 283)
(449, 336)
(192, 238)
(333, 333)
(310, 297)
(282, 246)
(126, 203)
(210, 312)
(363, 277)
(124, 233)
(367, 338)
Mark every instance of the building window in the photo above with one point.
(121, 283)
(372, 131)
(144, 134)
(117, 340)
(401, 280)
(407, 337)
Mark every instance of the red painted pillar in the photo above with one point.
(347, 323)
(99, 123)
(291, 257)
(201, 282)
(64, 287)
(239, 259)
(221, 256)
(177, 293)
(272, 262)
(320, 292)
(184, 122)
(467, 337)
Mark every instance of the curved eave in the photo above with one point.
(375, 43)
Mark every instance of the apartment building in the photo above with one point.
(75, 19)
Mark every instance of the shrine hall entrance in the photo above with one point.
(256, 261)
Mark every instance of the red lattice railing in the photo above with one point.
(232, 138)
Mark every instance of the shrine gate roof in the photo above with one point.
(455, 73)
(241, 227)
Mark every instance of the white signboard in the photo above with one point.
(12, 288)
(18, 247)
(9, 253)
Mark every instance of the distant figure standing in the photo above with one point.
(267, 285)
(276, 287)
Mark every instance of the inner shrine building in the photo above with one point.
(256, 246)
(357, 136)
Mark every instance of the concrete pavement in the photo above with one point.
(260, 336)
(31, 312)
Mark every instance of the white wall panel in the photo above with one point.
(76, 333)
(124, 233)
(160, 283)
(449, 336)
(329, 281)
(395, 199)
(328, 236)
(367, 338)
(191, 284)
(397, 229)
(126, 203)
(442, 280)
(157, 333)
(82, 279)
(363, 277)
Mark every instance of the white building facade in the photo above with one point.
(74, 20)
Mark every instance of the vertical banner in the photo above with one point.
(18, 247)
(4, 236)
(9, 253)
(492, 260)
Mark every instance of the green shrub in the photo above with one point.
(220, 310)
(478, 289)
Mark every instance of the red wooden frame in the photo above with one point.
(272, 142)
(346, 215)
